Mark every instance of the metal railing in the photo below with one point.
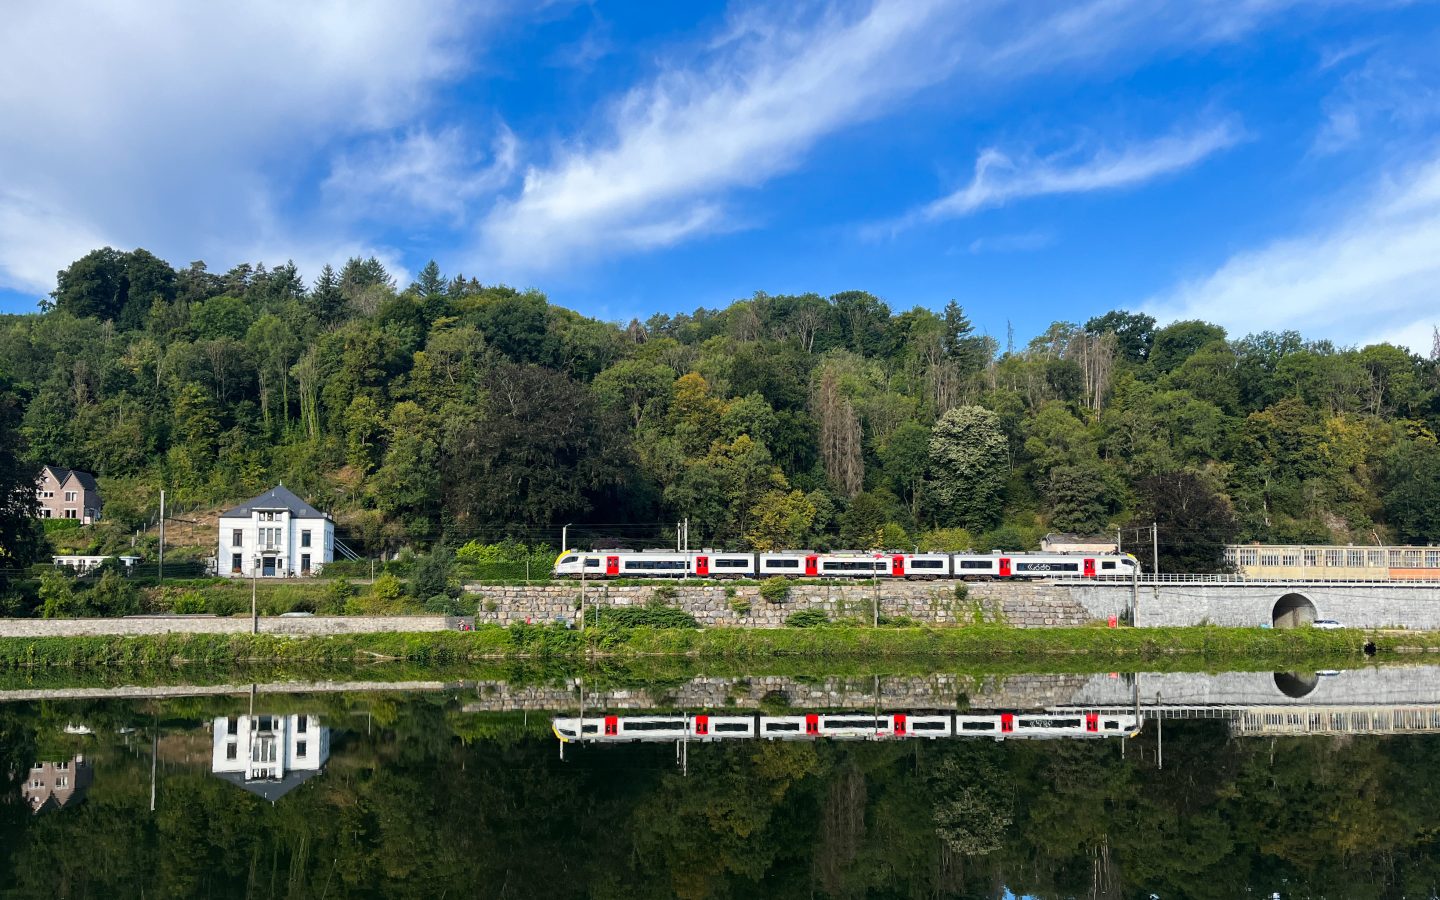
(1176, 578)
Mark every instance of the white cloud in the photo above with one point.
(421, 173)
(1001, 178)
(667, 160)
(1376, 263)
(157, 124)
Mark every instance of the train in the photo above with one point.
(844, 564)
(1078, 723)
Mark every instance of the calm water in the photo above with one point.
(1264, 784)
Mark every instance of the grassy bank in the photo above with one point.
(1099, 646)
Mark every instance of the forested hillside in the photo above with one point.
(450, 408)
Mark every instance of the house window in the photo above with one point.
(232, 725)
(230, 751)
(237, 537)
(47, 495)
(62, 781)
(302, 725)
(70, 497)
(62, 766)
(300, 749)
(44, 513)
(70, 514)
(304, 564)
(234, 563)
(305, 538)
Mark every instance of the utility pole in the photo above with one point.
(1155, 546)
(161, 571)
(1134, 596)
(254, 606)
(1119, 544)
(875, 579)
(565, 537)
(584, 563)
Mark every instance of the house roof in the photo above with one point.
(278, 497)
(271, 789)
(62, 474)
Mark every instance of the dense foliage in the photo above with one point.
(452, 409)
(422, 799)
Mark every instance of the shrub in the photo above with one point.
(642, 616)
(807, 618)
(188, 603)
(431, 574)
(775, 589)
(223, 604)
(57, 595)
(962, 591)
(445, 605)
(337, 594)
(662, 595)
(112, 595)
(740, 606)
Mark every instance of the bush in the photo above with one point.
(775, 589)
(962, 591)
(114, 596)
(807, 618)
(224, 604)
(641, 616)
(662, 595)
(740, 606)
(431, 574)
(445, 605)
(337, 594)
(188, 603)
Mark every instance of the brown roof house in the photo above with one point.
(56, 785)
(68, 494)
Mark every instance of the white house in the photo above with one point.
(269, 756)
(274, 535)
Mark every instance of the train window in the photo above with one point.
(652, 726)
(927, 726)
(774, 563)
(592, 563)
(1050, 723)
(977, 726)
(568, 560)
(851, 723)
(591, 729)
(927, 563)
(656, 565)
(866, 566)
(730, 727)
(731, 563)
(782, 726)
(1107, 565)
(976, 564)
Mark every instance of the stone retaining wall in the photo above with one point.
(929, 603)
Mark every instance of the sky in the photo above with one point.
(1261, 164)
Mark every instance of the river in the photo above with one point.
(1171, 785)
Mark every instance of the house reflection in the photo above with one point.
(269, 756)
(56, 785)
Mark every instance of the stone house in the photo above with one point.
(269, 756)
(274, 535)
(68, 494)
(55, 785)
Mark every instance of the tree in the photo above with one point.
(19, 538)
(1195, 521)
(959, 342)
(969, 464)
(327, 301)
(108, 284)
(903, 457)
(1134, 332)
(1412, 492)
(780, 520)
(840, 438)
(1083, 498)
(1178, 342)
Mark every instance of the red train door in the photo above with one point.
(1092, 722)
(702, 724)
(812, 724)
(812, 566)
(612, 566)
(897, 566)
(900, 724)
(702, 565)
(1004, 567)
(1007, 723)
(612, 726)
(1089, 568)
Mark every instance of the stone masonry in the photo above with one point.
(929, 603)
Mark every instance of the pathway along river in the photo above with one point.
(1296, 784)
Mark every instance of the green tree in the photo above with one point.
(968, 467)
(19, 538)
(1412, 492)
(780, 520)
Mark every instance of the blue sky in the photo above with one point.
(1263, 164)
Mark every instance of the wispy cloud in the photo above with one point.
(421, 173)
(1023, 242)
(1002, 177)
(1376, 263)
(674, 156)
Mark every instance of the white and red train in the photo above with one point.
(1077, 723)
(806, 564)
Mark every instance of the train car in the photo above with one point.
(703, 727)
(1020, 566)
(712, 564)
(795, 564)
(622, 729)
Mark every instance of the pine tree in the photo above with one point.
(326, 300)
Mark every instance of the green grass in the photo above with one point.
(1100, 647)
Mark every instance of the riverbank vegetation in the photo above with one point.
(1032, 647)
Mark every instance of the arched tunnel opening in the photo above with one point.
(1292, 611)
(1296, 684)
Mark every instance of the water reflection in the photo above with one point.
(456, 789)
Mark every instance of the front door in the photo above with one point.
(267, 567)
